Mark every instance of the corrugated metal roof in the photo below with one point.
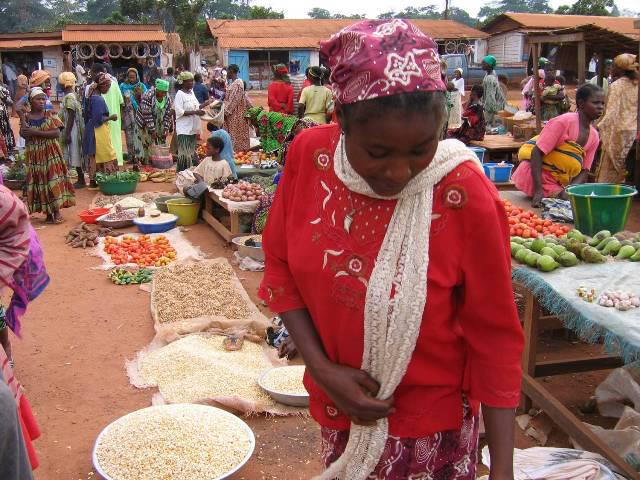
(30, 43)
(308, 33)
(544, 21)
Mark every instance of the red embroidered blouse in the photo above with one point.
(280, 93)
(470, 340)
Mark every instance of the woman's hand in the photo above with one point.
(67, 139)
(113, 118)
(563, 195)
(353, 392)
(199, 113)
(26, 132)
(287, 349)
(536, 201)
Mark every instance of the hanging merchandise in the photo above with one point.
(115, 50)
(155, 49)
(85, 51)
(101, 51)
(127, 52)
(141, 50)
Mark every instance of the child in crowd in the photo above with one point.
(473, 123)
(213, 167)
(227, 152)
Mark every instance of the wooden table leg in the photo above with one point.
(572, 426)
(531, 324)
(235, 223)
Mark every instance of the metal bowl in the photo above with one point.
(257, 253)
(241, 424)
(293, 400)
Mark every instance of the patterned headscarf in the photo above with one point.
(626, 62)
(184, 76)
(35, 91)
(101, 79)
(67, 79)
(380, 58)
(38, 77)
(490, 60)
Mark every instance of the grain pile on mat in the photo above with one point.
(286, 380)
(197, 289)
(180, 442)
(197, 368)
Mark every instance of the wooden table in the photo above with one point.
(250, 172)
(498, 144)
(213, 202)
(535, 392)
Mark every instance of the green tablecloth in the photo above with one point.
(249, 172)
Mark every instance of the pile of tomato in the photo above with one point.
(529, 225)
(143, 250)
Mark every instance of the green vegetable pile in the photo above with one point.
(548, 253)
(119, 177)
(122, 276)
(18, 171)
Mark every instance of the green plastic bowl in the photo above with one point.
(600, 206)
(118, 188)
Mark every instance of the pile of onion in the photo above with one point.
(242, 192)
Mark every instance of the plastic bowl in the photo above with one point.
(479, 151)
(186, 209)
(257, 253)
(162, 164)
(293, 400)
(498, 172)
(91, 216)
(118, 188)
(241, 425)
(600, 206)
(114, 223)
(161, 202)
(156, 227)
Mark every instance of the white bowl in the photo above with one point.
(246, 251)
(293, 400)
(241, 424)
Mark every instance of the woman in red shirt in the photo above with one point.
(281, 92)
(387, 258)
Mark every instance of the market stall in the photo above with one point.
(498, 145)
(225, 216)
(576, 298)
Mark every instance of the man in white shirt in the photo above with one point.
(593, 66)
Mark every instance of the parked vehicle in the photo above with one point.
(473, 75)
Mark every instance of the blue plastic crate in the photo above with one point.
(498, 172)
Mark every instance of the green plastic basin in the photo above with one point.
(600, 206)
(118, 188)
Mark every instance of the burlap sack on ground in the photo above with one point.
(194, 369)
(253, 323)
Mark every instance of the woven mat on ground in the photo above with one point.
(197, 369)
(189, 297)
(101, 200)
(556, 291)
(185, 250)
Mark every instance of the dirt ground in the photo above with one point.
(79, 333)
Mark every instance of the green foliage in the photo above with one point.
(431, 12)
(118, 177)
(461, 16)
(590, 7)
(258, 12)
(24, 16)
(322, 13)
(491, 10)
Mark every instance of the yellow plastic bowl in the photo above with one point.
(185, 209)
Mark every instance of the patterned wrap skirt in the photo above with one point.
(186, 152)
(442, 456)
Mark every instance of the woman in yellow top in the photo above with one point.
(618, 125)
(316, 101)
(96, 143)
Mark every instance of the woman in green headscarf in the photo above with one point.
(493, 97)
(272, 127)
(132, 91)
(154, 120)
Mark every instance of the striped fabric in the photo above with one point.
(186, 152)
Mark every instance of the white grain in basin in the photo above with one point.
(287, 380)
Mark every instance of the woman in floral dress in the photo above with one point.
(235, 106)
(6, 133)
(272, 127)
(132, 91)
(48, 185)
(154, 120)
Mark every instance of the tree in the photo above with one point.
(461, 16)
(590, 7)
(23, 16)
(430, 11)
(225, 9)
(258, 12)
(319, 13)
(496, 7)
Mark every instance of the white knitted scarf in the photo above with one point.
(391, 325)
